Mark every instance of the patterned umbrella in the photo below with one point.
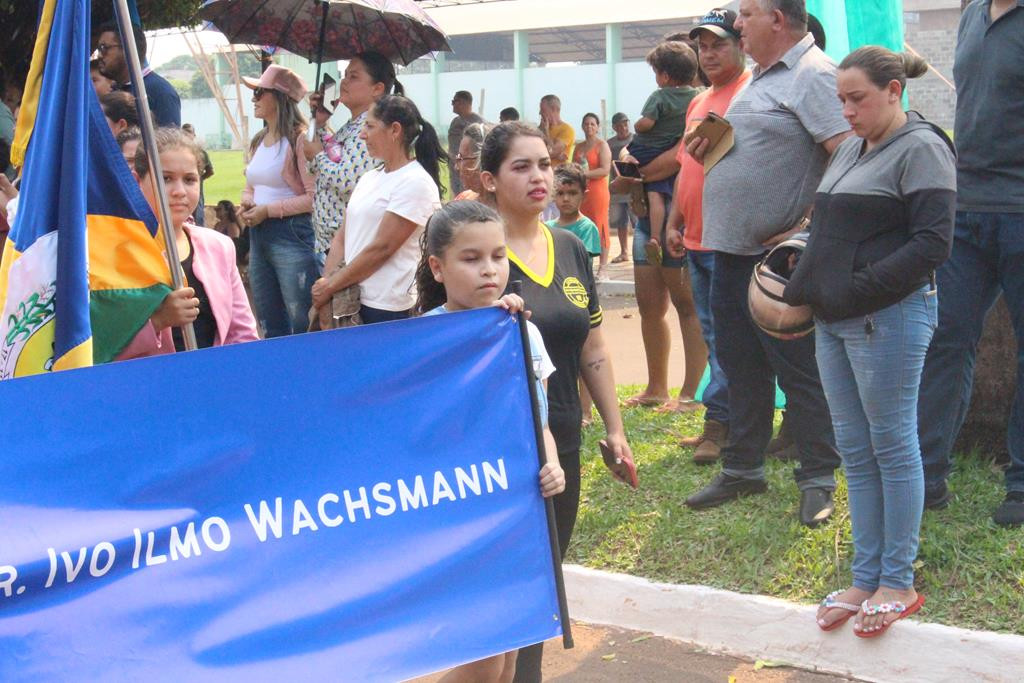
(325, 30)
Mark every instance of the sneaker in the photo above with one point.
(712, 440)
(724, 488)
(1011, 512)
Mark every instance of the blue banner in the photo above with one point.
(360, 504)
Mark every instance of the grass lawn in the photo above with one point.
(971, 571)
(229, 177)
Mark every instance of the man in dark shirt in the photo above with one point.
(988, 244)
(164, 101)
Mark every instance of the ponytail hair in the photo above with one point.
(381, 70)
(418, 136)
(442, 227)
(882, 65)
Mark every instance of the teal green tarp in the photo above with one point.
(850, 24)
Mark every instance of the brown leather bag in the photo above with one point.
(344, 308)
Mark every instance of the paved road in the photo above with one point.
(611, 655)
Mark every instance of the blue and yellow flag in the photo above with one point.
(82, 270)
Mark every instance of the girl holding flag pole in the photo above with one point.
(214, 299)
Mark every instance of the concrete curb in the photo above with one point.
(615, 288)
(759, 627)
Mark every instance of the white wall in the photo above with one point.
(581, 89)
(208, 120)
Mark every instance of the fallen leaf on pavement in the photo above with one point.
(767, 664)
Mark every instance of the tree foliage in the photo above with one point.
(18, 19)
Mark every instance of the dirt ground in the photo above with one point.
(611, 655)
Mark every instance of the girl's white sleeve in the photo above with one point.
(542, 365)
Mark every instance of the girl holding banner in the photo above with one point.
(560, 292)
(215, 301)
(465, 265)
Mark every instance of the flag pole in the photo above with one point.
(549, 506)
(156, 170)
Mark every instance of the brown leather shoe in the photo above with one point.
(712, 440)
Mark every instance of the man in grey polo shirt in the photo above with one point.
(786, 123)
(988, 244)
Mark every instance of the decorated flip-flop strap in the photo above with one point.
(830, 601)
(883, 608)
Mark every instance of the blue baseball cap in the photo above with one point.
(721, 22)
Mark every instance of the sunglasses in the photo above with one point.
(260, 92)
(103, 48)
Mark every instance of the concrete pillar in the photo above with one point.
(436, 69)
(521, 60)
(613, 55)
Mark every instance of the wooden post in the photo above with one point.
(243, 120)
(199, 54)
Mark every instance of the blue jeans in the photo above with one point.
(369, 316)
(871, 378)
(716, 393)
(751, 359)
(988, 256)
(282, 270)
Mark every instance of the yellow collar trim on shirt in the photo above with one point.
(549, 274)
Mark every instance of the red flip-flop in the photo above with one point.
(887, 608)
(830, 602)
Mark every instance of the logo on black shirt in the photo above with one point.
(575, 292)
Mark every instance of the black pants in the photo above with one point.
(567, 505)
(751, 360)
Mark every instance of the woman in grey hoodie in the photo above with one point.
(883, 221)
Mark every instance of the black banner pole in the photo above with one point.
(549, 506)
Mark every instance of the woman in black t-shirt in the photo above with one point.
(559, 289)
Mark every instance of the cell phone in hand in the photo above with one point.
(627, 169)
(327, 93)
(622, 468)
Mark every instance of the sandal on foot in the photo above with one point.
(644, 401)
(887, 608)
(830, 602)
(621, 258)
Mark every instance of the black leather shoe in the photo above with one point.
(937, 497)
(1011, 512)
(815, 506)
(724, 488)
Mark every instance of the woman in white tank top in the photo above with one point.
(276, 205)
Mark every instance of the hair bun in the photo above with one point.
(914, 66)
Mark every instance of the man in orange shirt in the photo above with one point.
(724, 63)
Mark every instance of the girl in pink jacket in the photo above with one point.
(213, 300)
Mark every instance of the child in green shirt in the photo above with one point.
(663, 119)
(570, 186)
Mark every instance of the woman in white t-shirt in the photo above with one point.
(276, 205)
(380, 238)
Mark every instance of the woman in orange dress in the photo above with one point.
(595, 156)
